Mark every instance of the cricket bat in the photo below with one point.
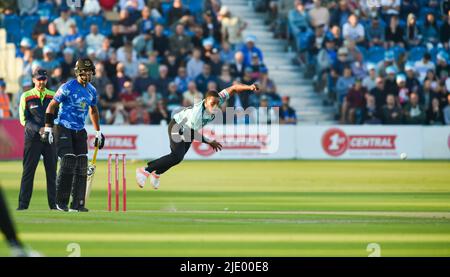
(90, 175)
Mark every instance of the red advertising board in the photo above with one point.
(15, 131)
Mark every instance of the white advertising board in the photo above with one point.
(284, 142)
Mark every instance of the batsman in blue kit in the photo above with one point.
(75, 99)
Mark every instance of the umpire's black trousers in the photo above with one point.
(34, 148)
(180, 142)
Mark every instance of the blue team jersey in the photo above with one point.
(75, 101)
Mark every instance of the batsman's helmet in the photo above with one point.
(84, 64)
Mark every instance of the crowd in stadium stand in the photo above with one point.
(376, 62)
(153, 59)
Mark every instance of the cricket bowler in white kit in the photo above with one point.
(184, 127)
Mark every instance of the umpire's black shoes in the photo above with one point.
(80, 209)
(62, 208)
(21, 208)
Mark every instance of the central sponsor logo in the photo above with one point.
(336, 142)
(117, 142)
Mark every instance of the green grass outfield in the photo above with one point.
(252, 208)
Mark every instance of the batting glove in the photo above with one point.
(99, 140)
(47, 135)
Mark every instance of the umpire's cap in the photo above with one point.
(40, 73)
(84, 64)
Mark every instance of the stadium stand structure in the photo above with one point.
(286, 76)
(10, 66)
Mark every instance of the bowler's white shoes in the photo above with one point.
(141, 176)
(154, 179)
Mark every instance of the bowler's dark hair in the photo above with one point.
(212, 93)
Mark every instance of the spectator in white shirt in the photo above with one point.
(94, 39)
(64, 21)
(131, 66)
(127, 48)
(192, 95)
(353, 30)
(232, 27)
(195, 64)
(369, 81)
(422, 66)
(319, 15)
(104, 53)
(91, 7)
